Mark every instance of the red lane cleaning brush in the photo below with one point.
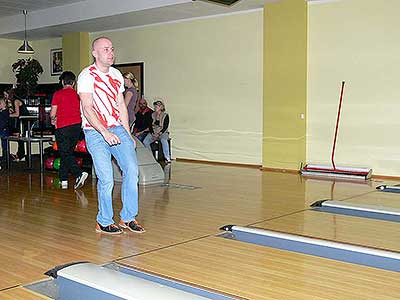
(334, 171)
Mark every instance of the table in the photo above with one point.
(28, 140)
(28, 120)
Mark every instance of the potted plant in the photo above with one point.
(27, 72)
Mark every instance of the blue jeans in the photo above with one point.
(164, 142)
(125, 155)
(142, 136)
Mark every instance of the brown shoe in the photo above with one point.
(109, 229)
(133, 226)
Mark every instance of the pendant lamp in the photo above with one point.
(25, 48)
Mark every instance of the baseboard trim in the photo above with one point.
(385, 177)
(280, 170)
(269, 169)
(218, 163)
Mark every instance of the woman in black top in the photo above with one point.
(4, 120)
(16, 108)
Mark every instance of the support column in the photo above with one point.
(285, 84)
(76, 51)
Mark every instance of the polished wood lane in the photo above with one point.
(42, 226)
(340, 228)
(337, 189)
(383, 199)
(261, 273)
(20, 293)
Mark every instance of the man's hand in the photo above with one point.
(111, 138)
(134, 142)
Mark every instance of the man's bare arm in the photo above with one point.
(90, 115)
(53, 114)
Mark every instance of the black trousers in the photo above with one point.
(66, 138)
(3, 136)
(21, 150)
(15, 128)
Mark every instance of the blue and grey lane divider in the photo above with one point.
(115, 282)
(378, 212)
(389, 188)
(372, 257)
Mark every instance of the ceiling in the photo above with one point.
(15, 7)
(53, 18)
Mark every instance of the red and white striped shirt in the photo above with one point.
(105, 88)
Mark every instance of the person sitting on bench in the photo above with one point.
(4, 120)
(17, 108)
(144, 120)
(158, 130)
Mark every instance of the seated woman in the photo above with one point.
(144, 120)
(4, 119)
(16, 108)
(158, 130)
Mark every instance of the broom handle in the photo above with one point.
(337, 126)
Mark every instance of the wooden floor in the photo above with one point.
(42, 226)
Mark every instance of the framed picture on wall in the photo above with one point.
(56, 61)
(137, 70)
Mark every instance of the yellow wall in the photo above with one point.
(209, 71)
(356, 41)
(75, 51)
(285, 84)
(9, 55)
(42, 54)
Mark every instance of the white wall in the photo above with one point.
(356, 41)
(209, 71)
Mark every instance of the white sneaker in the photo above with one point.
(64, 184)
(80, 181)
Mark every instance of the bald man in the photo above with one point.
(105, 124)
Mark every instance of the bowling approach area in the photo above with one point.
(212, 232)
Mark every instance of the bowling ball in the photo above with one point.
(49, 180)
(81, 146)
(55, 146)
(57, 182)
(57, 163)
(49, 163)
(79, 161)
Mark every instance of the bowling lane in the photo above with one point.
(387, 200)
(339, 228)
(20, 293)
(257, 272)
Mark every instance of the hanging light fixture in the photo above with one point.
(25, 48)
